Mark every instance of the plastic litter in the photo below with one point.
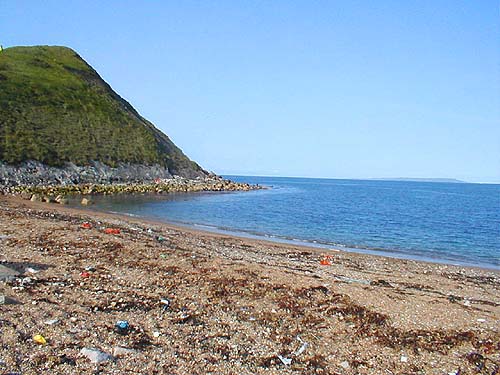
(51, 322)
(112, 231)
(325, 262)
(285, 361)
(404, 359)
(166, 304)
(85, 274)
(39, 339)
(95, 356)
(161, 239)
(119, 351)
(87, 225)
(122, 327)
(302, 348)
(345, 365)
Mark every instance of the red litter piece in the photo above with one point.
(86, 225)
(325, 262)
(85, 274)
(112, 231)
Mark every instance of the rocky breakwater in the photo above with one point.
(59, 193)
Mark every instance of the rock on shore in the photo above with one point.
(39, 182)
(36, 173)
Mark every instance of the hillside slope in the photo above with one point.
(55, 109)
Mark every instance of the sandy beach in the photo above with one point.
(230, 305)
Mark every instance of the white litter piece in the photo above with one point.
(286, 361)
(95, 356)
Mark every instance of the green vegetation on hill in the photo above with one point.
(55, 108)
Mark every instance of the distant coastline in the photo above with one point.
(410, 179)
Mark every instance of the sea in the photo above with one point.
(450, 223)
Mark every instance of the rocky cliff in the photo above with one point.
(61, 121)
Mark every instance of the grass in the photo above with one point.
(55, 108)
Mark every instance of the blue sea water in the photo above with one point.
(444, 222)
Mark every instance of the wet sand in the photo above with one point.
(236, 305)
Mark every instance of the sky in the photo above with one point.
(336, 89)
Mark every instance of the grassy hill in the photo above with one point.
(55, 108)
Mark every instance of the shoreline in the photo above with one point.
(237, 304)
(323, 246)
(267, 239)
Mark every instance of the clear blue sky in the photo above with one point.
(341, 89)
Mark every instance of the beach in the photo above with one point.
(205, 303)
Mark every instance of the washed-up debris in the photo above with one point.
(31, 270)
(303, 347)
(90, 269)
(2, 300)
(39, 339)
(51, 322)
(87, 225)
(85, 274)
(345, 365)
(160, 239)
(122, 327)
(285, 361)
(325, 262)
(381, 282)
(166, 304)
(96, 356)
(112, 231)
(119, 351)
(156, 334)
(404, 359)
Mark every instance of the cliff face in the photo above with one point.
(56, 110)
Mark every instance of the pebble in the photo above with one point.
(404, 359)
(51, 322)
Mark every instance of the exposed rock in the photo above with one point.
(36, 173)
(86, 202)
(7, 273)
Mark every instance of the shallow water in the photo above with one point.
(443, 222)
